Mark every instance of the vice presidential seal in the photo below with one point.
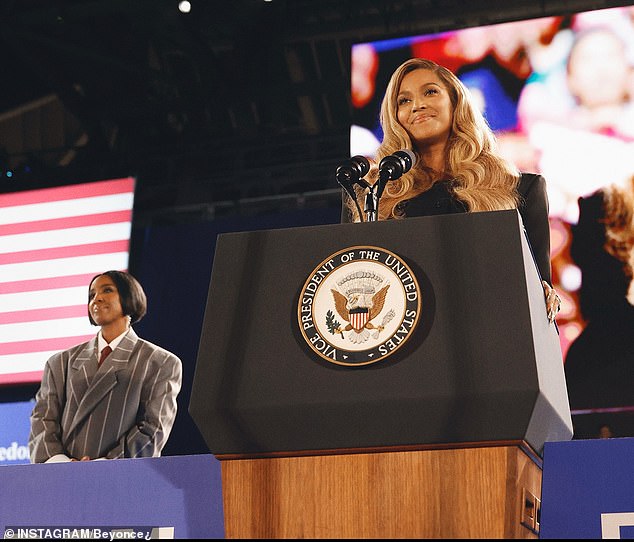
(359, 306)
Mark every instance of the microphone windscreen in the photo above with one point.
(362, 163)
(408, 157)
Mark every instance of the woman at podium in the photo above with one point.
(455, 166)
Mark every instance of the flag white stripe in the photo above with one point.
(65, 208)
(24, 363)
(43, 299)
(65, 237)
(48, 329)
(63, 266)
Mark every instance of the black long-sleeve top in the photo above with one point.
(533, 208)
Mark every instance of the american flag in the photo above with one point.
(52, 242)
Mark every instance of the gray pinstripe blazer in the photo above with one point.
(125, 408)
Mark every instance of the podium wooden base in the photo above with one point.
(475, 492)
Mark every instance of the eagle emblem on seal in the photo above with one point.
(359, 299)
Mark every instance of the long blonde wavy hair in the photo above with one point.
(483, 180)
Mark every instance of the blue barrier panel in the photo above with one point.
(166, 497)
(588, 489)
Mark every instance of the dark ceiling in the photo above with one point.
(236, 101)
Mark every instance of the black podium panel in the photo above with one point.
(483, 363)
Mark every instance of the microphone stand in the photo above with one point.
(374, 195)
(370, 202)
(371, 205)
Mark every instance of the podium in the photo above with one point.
(442, 438)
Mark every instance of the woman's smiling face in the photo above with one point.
(424, 108)
(104, 302)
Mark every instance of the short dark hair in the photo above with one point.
(131, 295)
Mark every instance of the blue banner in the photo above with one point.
(14, 432)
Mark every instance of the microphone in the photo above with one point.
(352, 171)
(394, 166)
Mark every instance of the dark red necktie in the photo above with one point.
(104, 354)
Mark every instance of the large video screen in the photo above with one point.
(557, 91)
(52, 242)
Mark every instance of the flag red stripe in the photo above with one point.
(72, 251)
(48, 283)
(21, 378)
(86, 190)
(49, 313)
(43, 345)
(66, 222)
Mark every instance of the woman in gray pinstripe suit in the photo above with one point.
(124, 406)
